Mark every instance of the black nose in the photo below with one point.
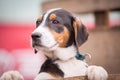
(36, 35)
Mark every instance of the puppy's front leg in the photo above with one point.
(97, 73)
(11, 75)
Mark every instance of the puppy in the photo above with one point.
(58, 35)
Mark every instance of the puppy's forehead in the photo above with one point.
(62, 13)
(58, 12)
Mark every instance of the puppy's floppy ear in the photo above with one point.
(81, 34)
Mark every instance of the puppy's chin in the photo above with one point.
(46, 48)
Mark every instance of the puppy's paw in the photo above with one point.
(11, 75)
(97, 73)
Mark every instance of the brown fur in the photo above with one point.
(40, 18)
(76, 23)
(55, 76)
(62, 37)
(52, 16)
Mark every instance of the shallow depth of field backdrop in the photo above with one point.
(17, 21)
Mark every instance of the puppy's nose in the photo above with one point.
(36, 35)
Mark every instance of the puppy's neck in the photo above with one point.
(63, 54)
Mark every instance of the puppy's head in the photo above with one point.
(58, 28)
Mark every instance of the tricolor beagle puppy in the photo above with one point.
(58, 35)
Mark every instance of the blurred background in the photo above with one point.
(17, 21)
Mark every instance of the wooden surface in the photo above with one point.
(111, 77)
(82, 6)
(102, 18)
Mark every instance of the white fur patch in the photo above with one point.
(65, 53)
(73, 67)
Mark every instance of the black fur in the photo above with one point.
(82, 35)
(69, 26)
(50, 67)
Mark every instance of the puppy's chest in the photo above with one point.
(72, 67)
(58, 68)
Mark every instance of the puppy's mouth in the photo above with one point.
(42, 47)
(35, 44)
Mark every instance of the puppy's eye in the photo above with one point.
(38, 23)
(55, 22)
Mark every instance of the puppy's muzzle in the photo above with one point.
(36, 39)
